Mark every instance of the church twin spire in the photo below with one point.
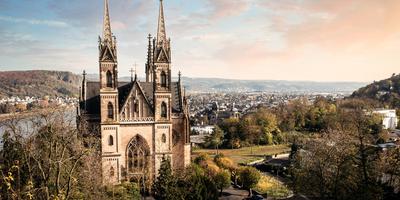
(161, 33)
(107, 35)
(161, 46)
(107, 44)
(158, 52)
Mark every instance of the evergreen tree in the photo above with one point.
(197, 186)
(164, 186)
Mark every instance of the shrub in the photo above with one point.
(225, 163)
(249, 177)
(124, 191)
(201, 158)
(222, 180)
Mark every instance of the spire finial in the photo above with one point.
(107, 35)
(161, 34)
(179, 76)
(149, 50)
(84, 74)
(133, 73)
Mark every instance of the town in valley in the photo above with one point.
(199, 100)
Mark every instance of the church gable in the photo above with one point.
(107, 54)
(136, 105)
(162, 56)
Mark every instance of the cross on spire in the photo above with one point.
(133, 72)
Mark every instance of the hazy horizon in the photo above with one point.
(289, 40)
(127, 76)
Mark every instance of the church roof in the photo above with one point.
(92, 98)
(146, 89)
(93, 95)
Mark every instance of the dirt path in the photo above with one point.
(234, 194)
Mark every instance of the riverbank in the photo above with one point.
(30, 113)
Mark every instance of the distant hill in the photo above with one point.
(385, 91)
(38, 83)
(57, 83)
(232, 85)
(229, 85)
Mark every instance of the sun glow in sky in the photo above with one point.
(317, 40)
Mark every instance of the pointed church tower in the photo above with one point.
(162, 99)
(162, 71)
(108, 71)
(161, 33)
(159, 53)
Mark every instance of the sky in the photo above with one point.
(314, 40)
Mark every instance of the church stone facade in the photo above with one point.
(139, 122)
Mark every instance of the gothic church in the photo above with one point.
(139, 122)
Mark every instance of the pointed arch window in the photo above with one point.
(175, 137)
(110, 140)
(163, 79)
(112, 171)
(123, 115)
(136, 107)
(110, 111)
(138, 155)
(163, 110)
(109, 79)
(163, 138)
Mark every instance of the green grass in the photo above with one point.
(247, 154)
(272, 187)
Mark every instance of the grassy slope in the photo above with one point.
(247, 154)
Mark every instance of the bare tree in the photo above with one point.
(57, 164)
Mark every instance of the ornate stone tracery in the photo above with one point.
(138, 154)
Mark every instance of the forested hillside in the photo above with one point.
(387, 91)
(38, 83)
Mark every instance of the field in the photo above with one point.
(247, 154)
(273, 187)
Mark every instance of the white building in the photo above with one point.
(203, 130)
(389, 118)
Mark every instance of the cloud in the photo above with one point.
(51, 23)
(117, 25)
(240, 53)
(89, 13)
(20, 49)
(227, 8)
(335, 25)
(278, 39)
(183, 25)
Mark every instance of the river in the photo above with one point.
(26, 121)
